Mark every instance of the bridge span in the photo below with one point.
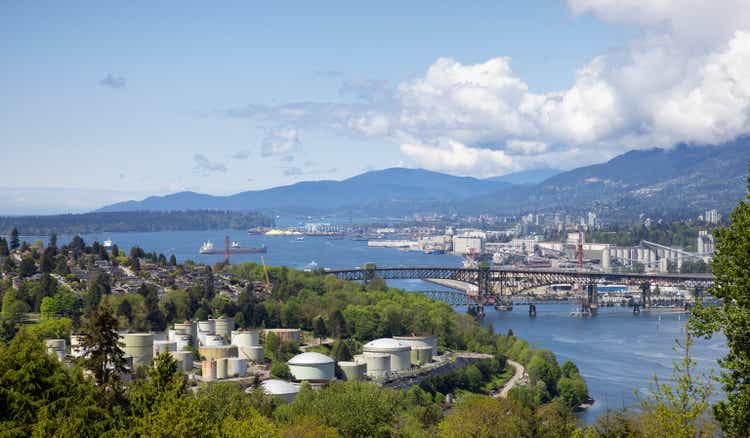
(496, 285)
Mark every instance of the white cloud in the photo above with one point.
(205, 167)
(280, 142)
(684, 78)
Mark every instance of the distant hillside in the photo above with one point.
(533, 176)
(131, 221)
(389, 190)
(680, 181)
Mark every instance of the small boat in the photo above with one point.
(235, 248)
(299, 239)
(107, 244)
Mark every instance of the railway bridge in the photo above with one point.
(495, 286)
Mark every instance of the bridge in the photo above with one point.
(495, 286)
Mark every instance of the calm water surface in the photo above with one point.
(617, 352)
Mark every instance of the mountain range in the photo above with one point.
(681, 182)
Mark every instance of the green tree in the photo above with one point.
(172, 260)
(14, 242)
(105, 359)
(64, 303)
(319, 328)
(731, 268)
(27, 267)
(280, 370)
(4, 250)
(486, 417)
(677, 409)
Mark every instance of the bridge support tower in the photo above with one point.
(368, 272)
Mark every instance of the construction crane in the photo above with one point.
(265, 271)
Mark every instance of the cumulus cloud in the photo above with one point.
(684, 78)
(112, 81)
(205, 167)
(280, 142)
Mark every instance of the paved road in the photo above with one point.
(517, 376)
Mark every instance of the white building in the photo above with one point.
(469, 242)
(712, 216)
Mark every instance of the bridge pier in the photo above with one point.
(590, 302)
(532, 309)
(368, 272)
(646, 295)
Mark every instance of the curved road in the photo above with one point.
(510, 384)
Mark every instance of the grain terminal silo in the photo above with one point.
(353, 370)
(400, 353)
(420, 340)
(279, 388)
(140, 346)
(312, 366)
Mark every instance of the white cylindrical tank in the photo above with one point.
(377, 364)
(236, 367)
(312, 366)
(76, 349)
(218, 351)
(606, 259)
(279, 388)
(164, 347)
(284, 334)
(140, 346)
(253, 353)
(205, 328)
(353, 370)
(420, 341)
(184, 360)
(213, 340)
(184, 342)
(223, 327)
(209, 370)
(221, 368)
(56, 347)
(245, 338)
(421, 355)
(399, 352)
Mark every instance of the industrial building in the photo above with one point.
(399, 353)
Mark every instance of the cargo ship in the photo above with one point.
(233, 248)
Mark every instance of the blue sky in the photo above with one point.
(135, 98)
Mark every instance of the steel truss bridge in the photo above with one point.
(495, 286)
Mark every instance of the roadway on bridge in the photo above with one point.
(452, 284)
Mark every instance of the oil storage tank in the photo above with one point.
(421, 355)
(56, 347)
(353, 370)
(184, 360)
(221, 368)
(399, 352)
(377, 364)
(218, 351)
(285, 334)
(223, 327)
(164, 347)
(140, 346)
(281, 389)
(236, 367)
(312, 367)
(420, 340)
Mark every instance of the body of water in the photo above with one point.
(617, 352)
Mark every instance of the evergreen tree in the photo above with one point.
(731, 268)
(27, 268)
(319, 328)
(172, 260)
(105, 359)
(4, 250)
(14, 242)
(53, 240)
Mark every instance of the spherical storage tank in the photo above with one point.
(312, 366)
(399, 352)
(377, 364)
(279, 388)
(140, 346)
(353, 370)
(420, 340)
